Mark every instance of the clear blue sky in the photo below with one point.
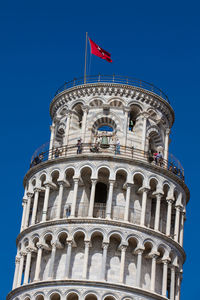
(42, 45)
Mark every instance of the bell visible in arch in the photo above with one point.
(104, 142)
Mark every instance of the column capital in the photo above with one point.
(154, 254)
(105, 245)
(158, 195)
(111, 181)
(126, 109)
(179, 207)
(22, 253)
(17, 259)
(94, 180)
(37, 189)
(165, 260)
(50, 184)
(29, 194)
(40, 245)
(168, 131)
(69, 242)
(87, 244)
(123, 248)
(54, 245)
(76, 179)
(85, 108)
(63, 182)
(143, 189)
(138, 251)
(24, 200)
(170, 200)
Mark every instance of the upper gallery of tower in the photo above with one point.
(112, 108)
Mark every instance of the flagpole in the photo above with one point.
(85, 57)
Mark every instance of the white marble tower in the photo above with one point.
(104, 202)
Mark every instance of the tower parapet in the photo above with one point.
(104, 203)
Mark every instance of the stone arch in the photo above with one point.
(135, 103)
(89, 165)
(90, 295)
(63, 110)
(155, 139)
(39, 296)
(98, 231)
(72, 295)
(116, 102)
(78, 101)
(110, 297)
(55, 295)
(96, 102)
(27, 297)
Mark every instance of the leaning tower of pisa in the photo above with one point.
(104, 201)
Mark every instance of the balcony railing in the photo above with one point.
(172, 164)
(113, 79)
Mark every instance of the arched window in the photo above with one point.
(105, 128)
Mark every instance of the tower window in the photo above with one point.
(105, 128)
(101, 193)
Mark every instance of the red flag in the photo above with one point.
(98, 51)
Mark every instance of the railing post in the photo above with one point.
(113, 77)
(99, 77)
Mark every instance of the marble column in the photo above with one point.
(164, 277)
(29, 195)
(52, 260)
(24, 205)
(15, 280)
(144, 204)
(85, 262)
(85, 111)
(104, 259)
(177, 223)
(27, 266)
(73, 208)
(68, 259)
(153, 272)
(178, 285)
(169, 216)
(38, 262)
(144, 129)
(127, 204)
(109, 201)
(21, 266)
(126, 125)
(60, 198)
(67, 129)
(46, 201)
(157, 215)
(172, 283)
(182, 228)
(139, 266)
(35, 205)
(52, 128)
(92, 196)
(167, 133)
(122, 264)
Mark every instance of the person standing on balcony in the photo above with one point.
(117, 147)
(79, 146)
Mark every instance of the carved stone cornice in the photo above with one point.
(135, 93)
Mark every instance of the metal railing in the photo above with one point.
(172, 164)
(113, 79)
